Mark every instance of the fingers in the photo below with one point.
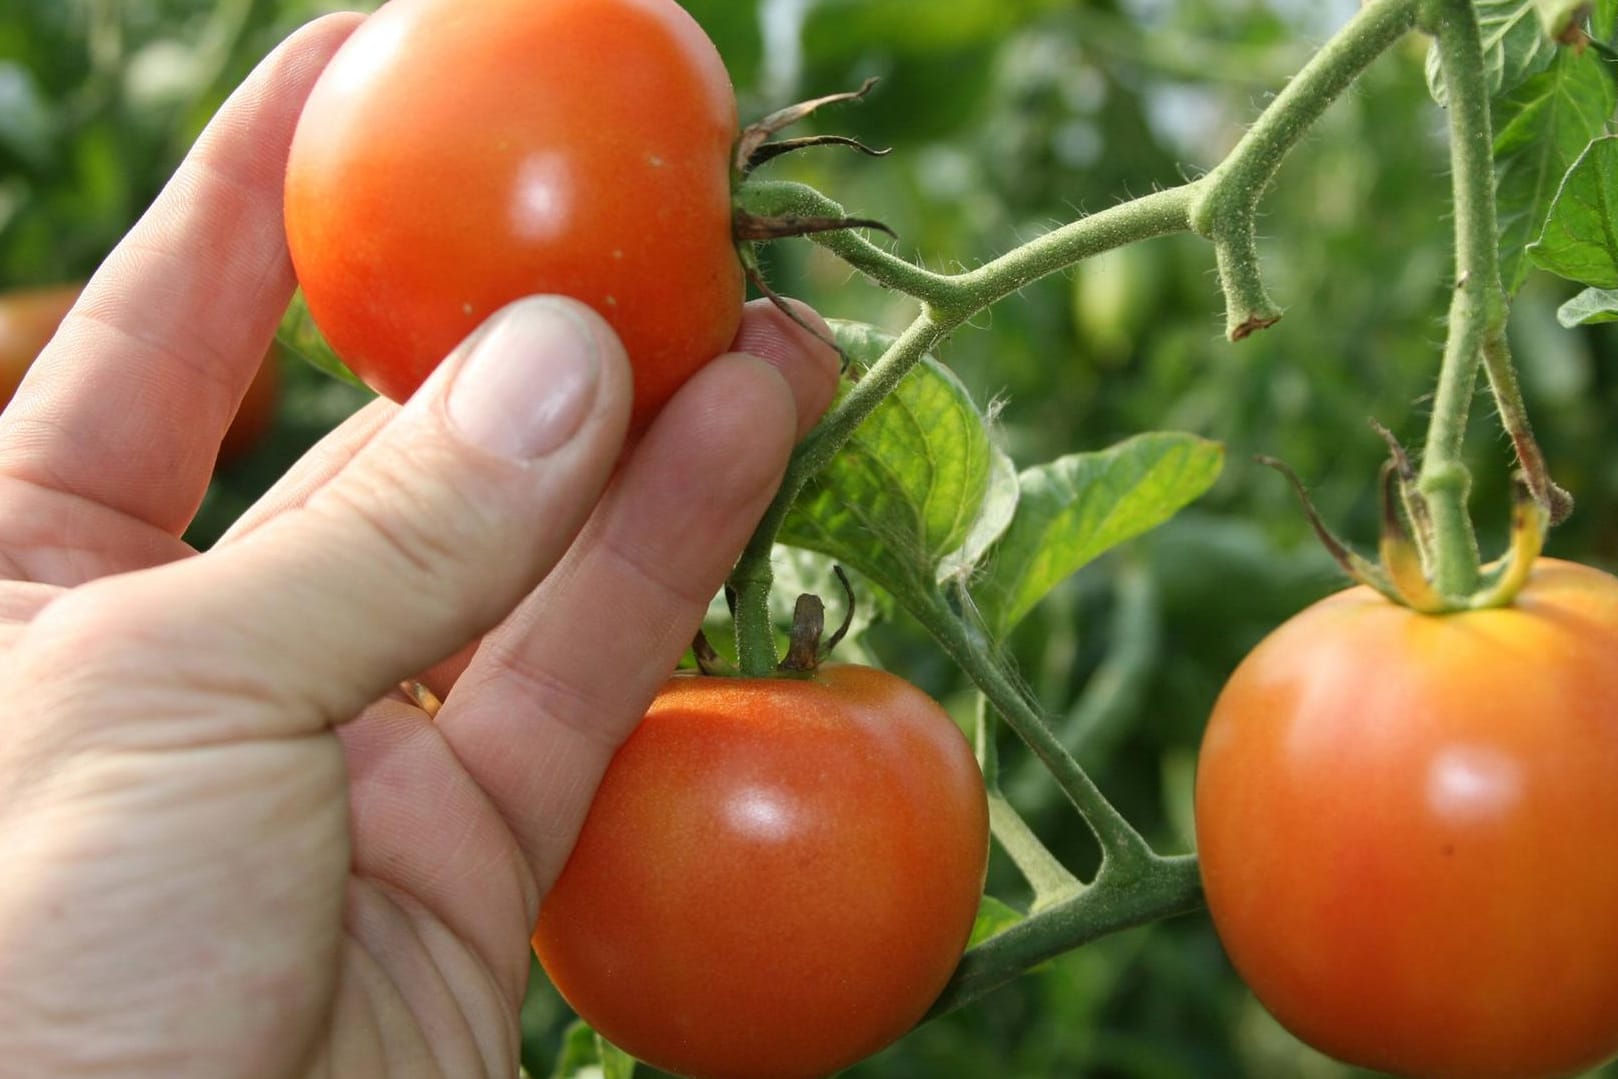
(551, 694)
(434, 532)
(128, 404)
(797, 349)
(317, 467)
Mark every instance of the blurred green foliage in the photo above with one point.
(1006, 117)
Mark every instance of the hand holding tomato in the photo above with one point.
(228, 850)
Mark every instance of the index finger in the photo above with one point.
(127, 406)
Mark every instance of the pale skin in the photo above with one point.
(226, 849)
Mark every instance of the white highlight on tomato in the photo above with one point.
(1473, 784)
(542, 197)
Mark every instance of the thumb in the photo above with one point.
(429, 537)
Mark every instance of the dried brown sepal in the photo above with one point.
(756, 279)
(1243, 328)
(1357, 567)
(803, 648)
(848, 614)
(772, 150)
(755, 228)
(1415, 503)
(709, 662)
(1401, 557)
(759, 132)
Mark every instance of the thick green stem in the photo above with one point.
(1120, 843)
(1119, 899)
(1477, 310)
(1225, 211)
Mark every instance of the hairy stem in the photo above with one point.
(1119, 899)
(1120, 843)
(1477, 310)
(1228, 203)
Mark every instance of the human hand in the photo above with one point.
(227, 849)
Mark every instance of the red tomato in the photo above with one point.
(28, 321)
(456, 156)
(776, 878)
(1408, 827)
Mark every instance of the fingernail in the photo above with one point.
(528, 383)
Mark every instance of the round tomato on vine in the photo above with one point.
(1408, 827)
(455, 157)
(776, 878)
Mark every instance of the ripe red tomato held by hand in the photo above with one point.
(456, 156)
(776, 878)
(1408, 828)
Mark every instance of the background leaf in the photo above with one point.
(1074, 508)
(994, 918)
(1540, 130)
(584, 1054)
(1580, 240)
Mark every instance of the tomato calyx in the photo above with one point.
(1403, 572)
(805, 649)
(753, 149)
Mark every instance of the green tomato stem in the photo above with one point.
(982, 662)
(1478, 308)
(1119, 899)
(1228, 198)
(1051, 881)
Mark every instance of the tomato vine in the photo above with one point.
(1135, 884)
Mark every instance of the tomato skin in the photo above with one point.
(776, 878)
(456, 156)
(1408, 828)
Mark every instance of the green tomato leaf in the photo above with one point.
(299, 335)
(994, 516)
(907, 490)
(1541, 129)
(1604, 20)
(1077, 507)
(994, 918)
(587, 1055)
(1580, 240)
(1589, 307)
(1515, 46)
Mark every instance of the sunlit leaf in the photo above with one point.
(1541, 129)
(1075, 508)
(1589, 307)
(906, 489)
(1515, 46)
(1580, 240)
